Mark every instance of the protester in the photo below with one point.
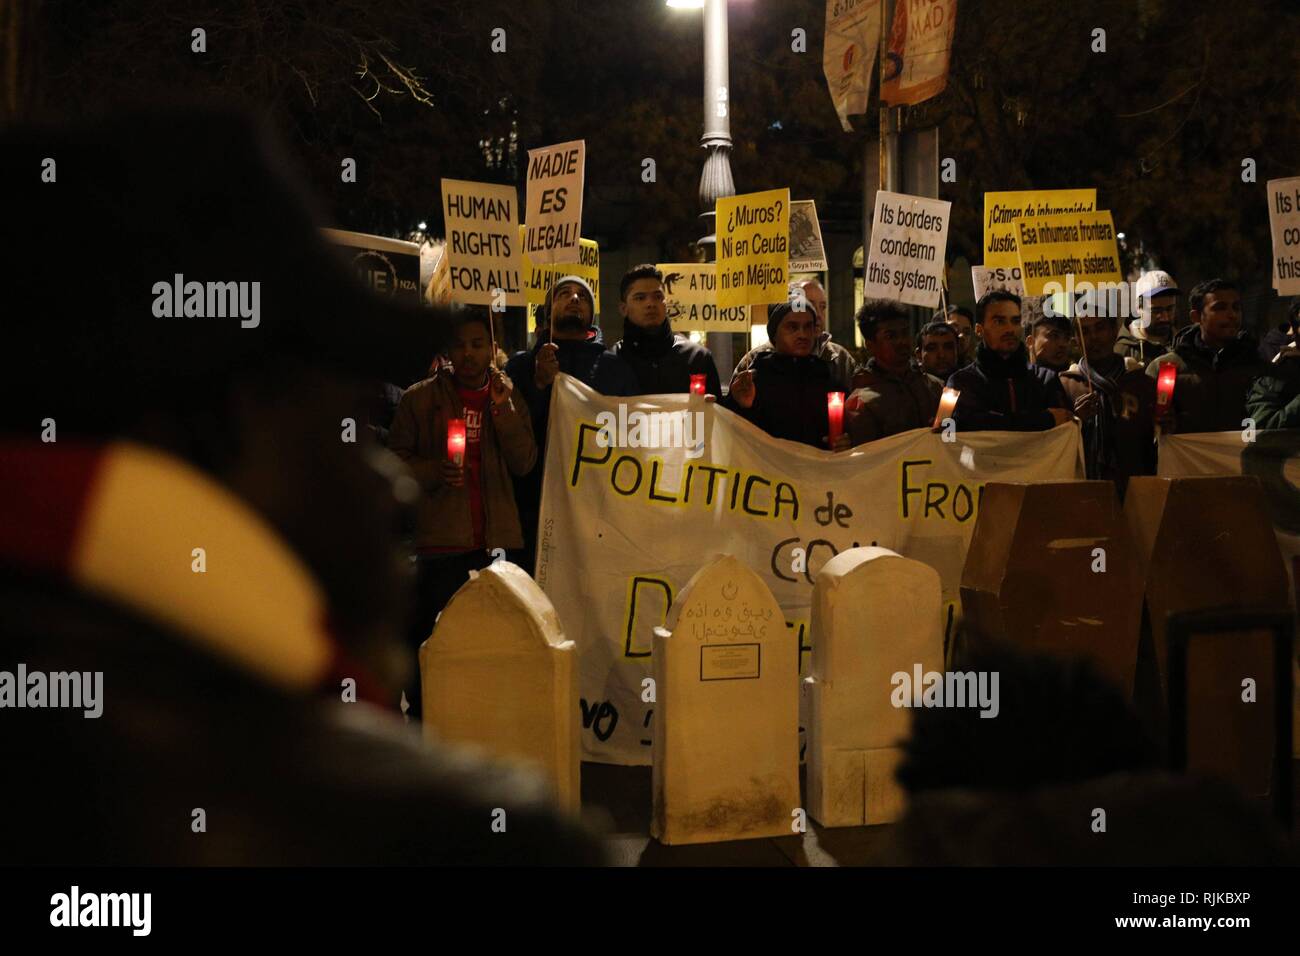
(1150, 335)
(1274, 399)
(839, 358)
(1116, 402)
(962, 321)
(663, 362)
(1000, 390)
(1279, 337)
(1217, 361)
(212, 528)
(577, 350)
(1048, 339)
(895, 397)
(468, 509)
(784, 392)
(937, 350)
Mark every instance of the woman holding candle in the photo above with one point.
(788, 392)
(463, 432)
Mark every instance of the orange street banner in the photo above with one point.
(920, 49)
(849, 54)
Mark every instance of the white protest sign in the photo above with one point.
(691, 298)
(909, 241)
(482, 253)
(554, 204)
(1001, 279)
(1284, 223)
(807, 254)
(624, 526)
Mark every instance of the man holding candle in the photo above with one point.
(788, 391)
(1000, 390)
(840, 359)
(894, 396)
(1215, 360)
(463, 433)
(664, 363)
(1118, 422)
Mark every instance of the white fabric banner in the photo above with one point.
(623, 528)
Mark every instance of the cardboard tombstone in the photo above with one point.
(726, 741)
(497, 673)
(1204, 543)
(1051, 569)
(875, 613)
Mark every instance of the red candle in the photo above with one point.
(835, 413)
(697, 384)
(1165, 383)
(456, 441)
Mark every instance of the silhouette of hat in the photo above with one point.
(123, 223)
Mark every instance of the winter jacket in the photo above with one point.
(833, 354)
(1274, 399)
(790, 399)
(1210, 391)
(1005, 394)
(419, 437)
(664, 362)
(1119, 441)
(888, 404)
(1129, 345)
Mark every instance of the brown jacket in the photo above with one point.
(419, 437)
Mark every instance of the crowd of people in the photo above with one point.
(1014, 365)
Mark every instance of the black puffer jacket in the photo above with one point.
(1211, 389)
(1005, 394)
(664, 362)
(790, 401)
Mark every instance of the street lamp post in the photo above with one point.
(715, 179)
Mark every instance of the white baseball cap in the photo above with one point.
(1156, 283)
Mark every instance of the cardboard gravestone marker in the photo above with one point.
(874, 613)
(726, 742)
(497, 673)
(1207, 543)
(1033, 574)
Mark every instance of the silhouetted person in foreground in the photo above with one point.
(191, 504)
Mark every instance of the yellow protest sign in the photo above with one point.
(691, 297)
(1003, 210)
(538, 278)
(1079, 244)
(753, 248)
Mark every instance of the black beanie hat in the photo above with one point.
(776, 313)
